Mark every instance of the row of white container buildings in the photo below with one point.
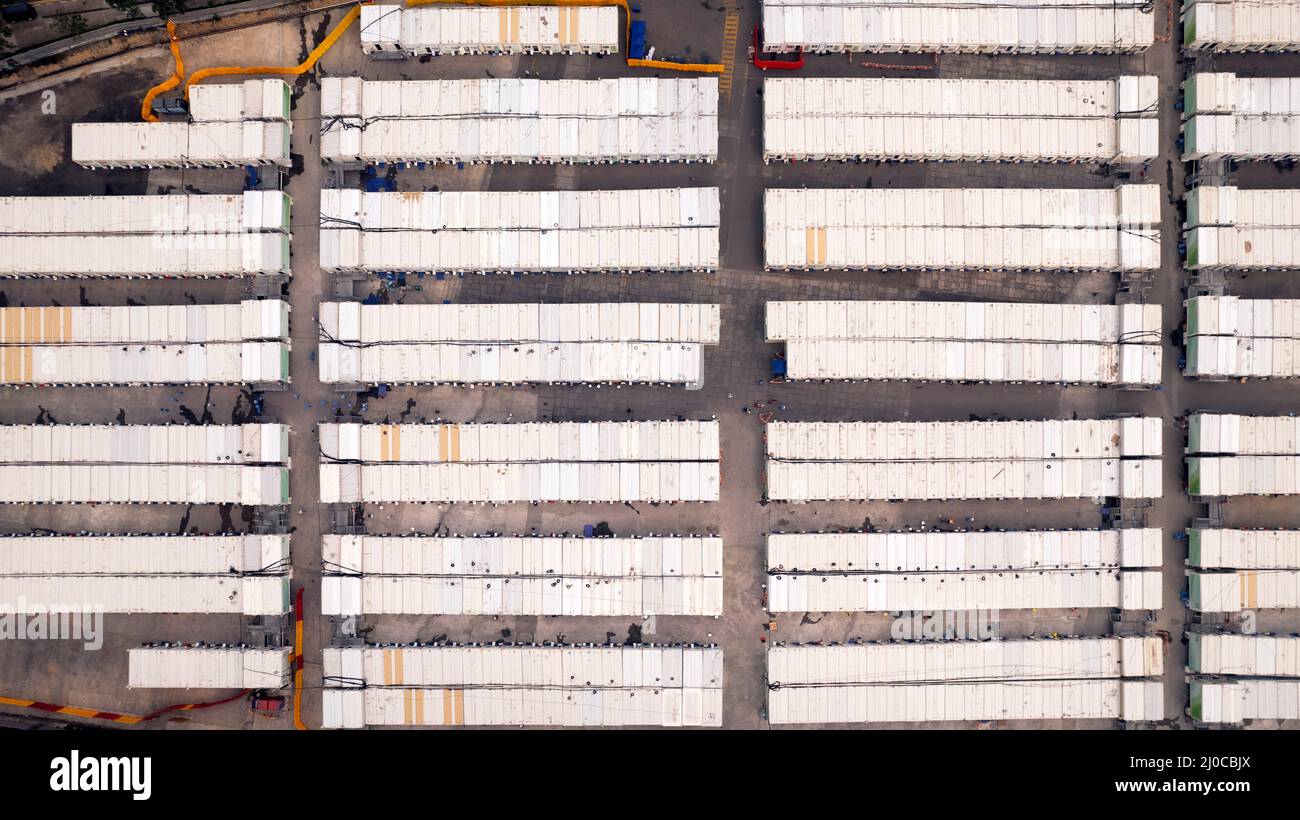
(1229, 337)
(104, 145)
(1091, 459)
(232, 124)
(178, 666)
(1110, 121)
(569, 343)
(143, 555)
(962, 228)
(533, 231)
(158, 464)
(146, 344)
(535, 575)
(1235, 701)
(146, 256)
(1234, 590)
(1245, 118)
(240, 574)
(1248, 655)
(269, 100)
(963, 26)
(1230, 433)
(78, 216)
(1237, 228)
(1231, 454)
(969, 341)
(1234, 569)
(1249, 549)
(631, 119)
(388, 29)
(523, 685)
(936, 571)
(1241, 25)
(543, 461)
(1064, 679)
(167, 235)
(1244, 677)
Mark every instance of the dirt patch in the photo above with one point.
(41, 158)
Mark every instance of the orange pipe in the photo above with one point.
(177, 77)
(297, 662)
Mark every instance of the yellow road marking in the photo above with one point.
(730, 33)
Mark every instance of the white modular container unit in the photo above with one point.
(146, 256)
(143, 555)
(1244, 699)
(1242, 455)
(969, 341)
(535, 575)
(933, 571)
(607, 461)
(142, 594)
(962, 228)
(476, 30)
(1073, 678)
(1241, 25)
(1268, 656)
(1213, 476)
(146, 344)
(1228, 433)
(246, 574)
(143, 484)
(516, 343)
(236, 102)
(78, 216)
(531, 231)
(631, 119)
(100, 145)
(1233, 591)
(1093, 459)
(1110, 121)
(1235, 228)
(962, 26)
(1229, 337)
(1245, 549)
(159, 464)
(523, 685)
(1244, 118)
(208, 667)
(144, 443)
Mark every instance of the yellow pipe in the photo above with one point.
(705, 68)
(178, 76)
(302, 68)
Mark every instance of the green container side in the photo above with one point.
(1196, 700)
(1194, 652)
